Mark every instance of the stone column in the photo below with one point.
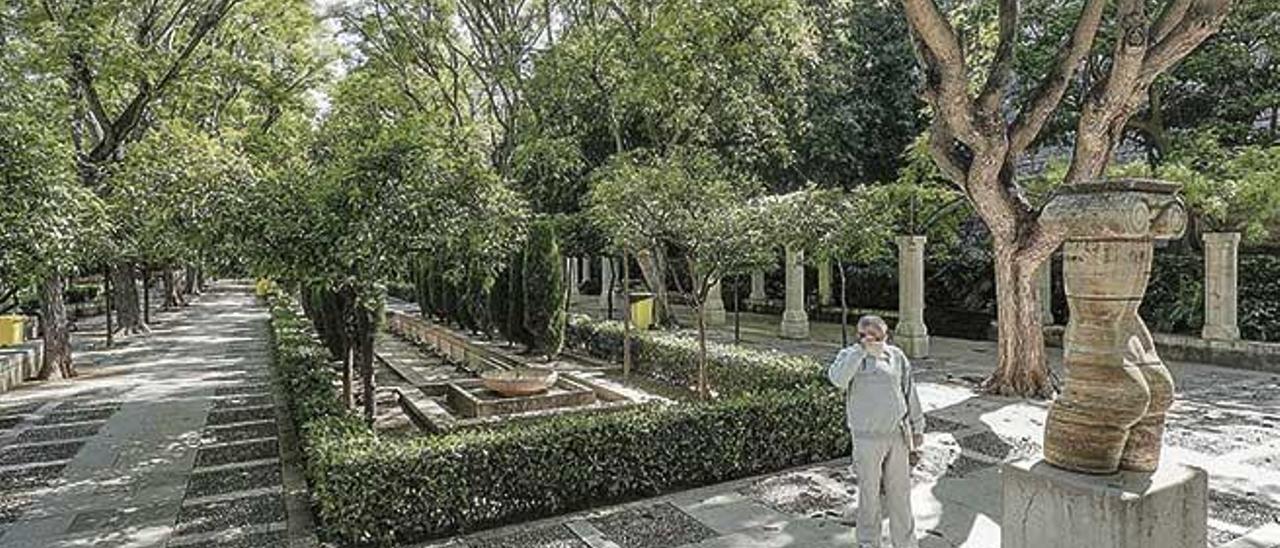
(824, 283)
(1045, 277)
(606, 280)
(757, 286)
(911, 335)
(1221, 264)
(795, 322)
(571, 275)
(715, 306)
(586, 268)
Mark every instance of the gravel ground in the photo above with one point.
(657, 526)
(242, 401)
(247, 414)
(116, 519)
(81, 415)
(20, 408)
(30, 477)
(964, 466)
(1218, 537)
(556, 536)
(240, 432)
(78, 404)
(1270, 462)
(1220, 442)
(937, 424)
(39, 453)
(212, 516)
(12, 505)
(239, 479)
(1240, 510)
(991, 444)
(10, 422)
(797, 495)
(68, 432)
(238, 452)
(276, 539)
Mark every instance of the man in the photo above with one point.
(884, 416)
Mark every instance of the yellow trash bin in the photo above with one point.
(641, 309)
(11, 330)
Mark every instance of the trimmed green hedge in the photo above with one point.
(371, 490)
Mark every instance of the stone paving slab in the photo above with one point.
(128, 439)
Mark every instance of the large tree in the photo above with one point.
(978, 137)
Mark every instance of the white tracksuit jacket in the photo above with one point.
(879, 393)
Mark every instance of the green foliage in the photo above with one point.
(544, 290)
(515, 330)
(434, 486)
(1174, 302)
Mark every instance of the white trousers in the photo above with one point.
(883, 460)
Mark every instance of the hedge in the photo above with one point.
(372, 490)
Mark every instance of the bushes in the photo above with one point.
(370, 490)
(1175, 299)
(544, 294)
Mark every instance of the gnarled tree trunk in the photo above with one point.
(57, 338)
(172, 292)
(129, 311)
(1022, 366)
(653, 268)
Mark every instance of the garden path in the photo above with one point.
(1225, 420)
(171, 439)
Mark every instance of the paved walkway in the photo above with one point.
(172, 439)
(1226, 421)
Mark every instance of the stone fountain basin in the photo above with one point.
(522, 381)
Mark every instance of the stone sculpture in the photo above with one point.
(1111, 413)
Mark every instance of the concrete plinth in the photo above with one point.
(1221, 266)
(824, 283)
(606, 280)
(1047, 507)
(757, 286)
(715, 306)
(911, 334)
(795, 321)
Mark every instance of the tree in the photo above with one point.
(544, 289)
(853, 227)
(977, 138)
(705, 221)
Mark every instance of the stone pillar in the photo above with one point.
(606, 280)
(795, 322)
(1045, 277)
(824, 283)
(1220, 291)
(571, 275)
(586, 268)
(757, 286)
(911, 335)
(1111, 413)
(715, 306)
(1046, 507)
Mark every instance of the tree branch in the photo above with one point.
(946, 72)
(1002, 65)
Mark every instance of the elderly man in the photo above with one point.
(884, 416)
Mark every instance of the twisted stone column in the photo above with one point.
(1110, 415)
(795, 322)
(1221, 264)
(911, 334)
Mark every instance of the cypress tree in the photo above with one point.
(544, 296)
(515, 330)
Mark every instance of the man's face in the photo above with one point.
(869, 336)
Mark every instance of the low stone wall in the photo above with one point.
(19, 363)
(1254, 355)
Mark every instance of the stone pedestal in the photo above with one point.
(795, 322)
(1044, 278)
(910, 334)
(1046, 507)
(606, 280)
(757, 287)
(1111, 413)
(1221, 264)
(824, 283)
(715, 306)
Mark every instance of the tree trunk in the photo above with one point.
(704, 391)
(192, 286)
(172, 293)
(653, 268)
(626, 316)
(108, 302)
(146, 296)
(126, 295)
(737, 311)
(1022, 369)
(364, 352)
(57, 339)
(348, 376)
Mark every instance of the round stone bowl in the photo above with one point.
(525, 381)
